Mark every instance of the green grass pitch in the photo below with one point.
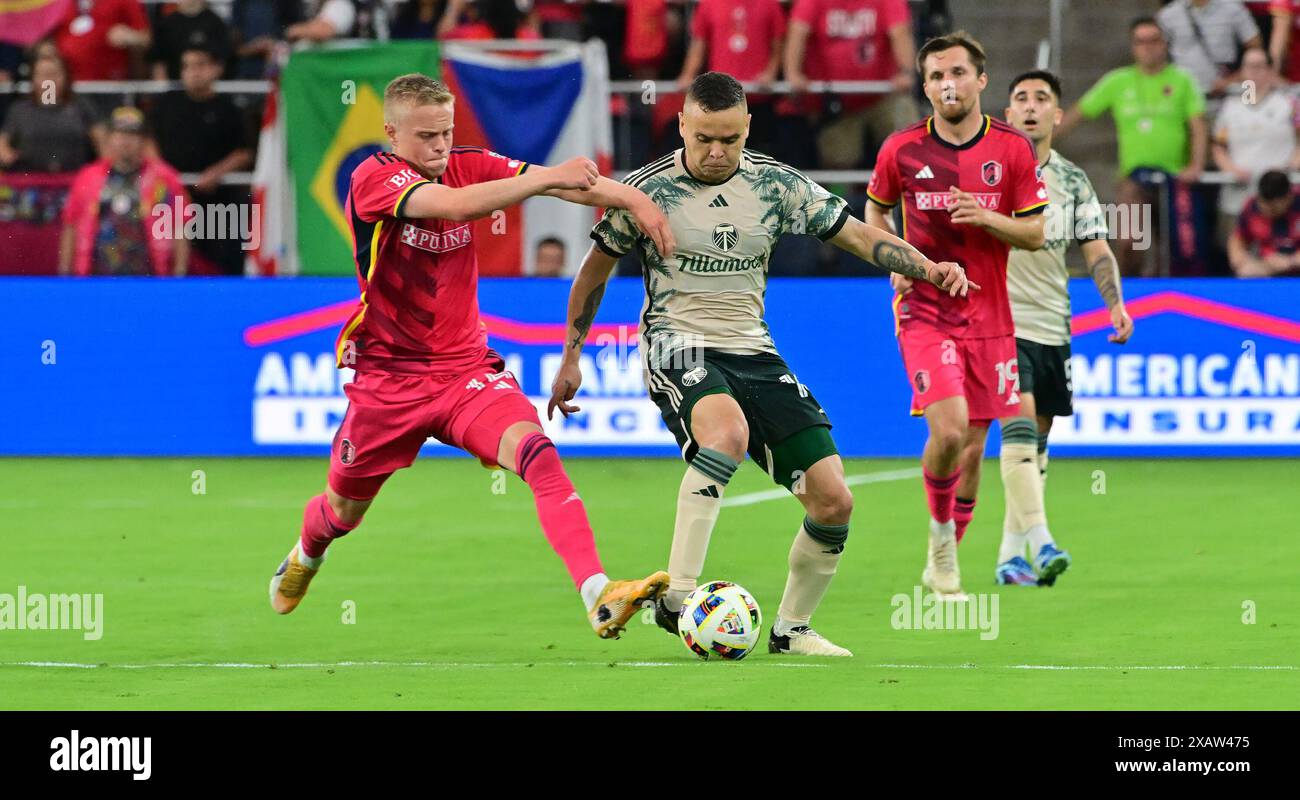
(458, 602)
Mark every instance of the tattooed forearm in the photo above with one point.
(1105, 273)
(902, 259)
(583, 323)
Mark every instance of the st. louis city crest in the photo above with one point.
(725, 236)
(991, 172)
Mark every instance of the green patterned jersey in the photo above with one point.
(1038, 281)
(709, 293)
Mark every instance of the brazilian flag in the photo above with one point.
(334, 110)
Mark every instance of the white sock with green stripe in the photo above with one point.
(1023, 485)
(698, 502)
(814, 557)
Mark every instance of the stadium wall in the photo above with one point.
(245, 367)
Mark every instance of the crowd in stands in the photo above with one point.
(1210, 87)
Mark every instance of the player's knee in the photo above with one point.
(731, 437)
(833, 507)
(348, 511)
(947, 439)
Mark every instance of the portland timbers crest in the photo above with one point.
(725, 236)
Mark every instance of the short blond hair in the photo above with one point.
(409, 91)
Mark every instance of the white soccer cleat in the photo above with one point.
(942, 575)
(804, 641)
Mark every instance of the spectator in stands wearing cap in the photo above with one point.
(1266, 242)
(108, 221)
(1255, 132)
(1205, 38)
(854, 40)
(192, 24)
(96, 38)
(198, 130)
(52, 129)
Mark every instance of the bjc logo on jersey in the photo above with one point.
(939, 201)
(402, 178)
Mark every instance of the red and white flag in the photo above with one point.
(273, 195)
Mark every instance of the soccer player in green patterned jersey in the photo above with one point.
(1038, 286)
(711, 365)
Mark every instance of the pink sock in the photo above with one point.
(941, 493)
(963, 511)
(559, 509)
(320, 526)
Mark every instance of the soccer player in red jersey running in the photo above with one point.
(970, 190)
(423, 367)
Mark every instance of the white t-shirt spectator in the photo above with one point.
(1259, 136)
(1225, 26)
(341, 14)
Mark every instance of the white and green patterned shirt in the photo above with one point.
(709, 293)
(1038, 281)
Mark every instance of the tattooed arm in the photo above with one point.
(584, 301)
(1104, 270)
(888, 252)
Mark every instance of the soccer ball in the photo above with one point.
(720, 619)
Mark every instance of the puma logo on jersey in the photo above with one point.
(708, 491)
(925, 172)
(719, 202)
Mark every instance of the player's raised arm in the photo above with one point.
(463, 203)
(584, 300)
(887, 251)
(607, 193)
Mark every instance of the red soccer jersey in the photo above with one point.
(82, 38)
(740, 34)
(1290, 9)
(848, 40)
(998, 166)
(418, 311)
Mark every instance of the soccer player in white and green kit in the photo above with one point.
(1038, 287)
(711, 365)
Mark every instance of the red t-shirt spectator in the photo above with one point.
(1264, 236)
(739, 34)
(1292, 8)
(82, 38)
(848, 40)
(481, 31)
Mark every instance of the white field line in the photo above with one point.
(760, 663)
(398, 664)
(851, 480)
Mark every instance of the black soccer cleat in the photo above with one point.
(664, 617)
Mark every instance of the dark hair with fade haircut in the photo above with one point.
(949, 41)
(716, 91)
(1144, 20)
(1274, 185)
(1049, 78)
